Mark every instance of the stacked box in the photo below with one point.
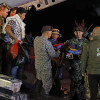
(10, 88)
(15, 96)
(4, 96)
(10, 83)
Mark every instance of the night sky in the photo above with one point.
(63, 16)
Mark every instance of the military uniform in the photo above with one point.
(76, 75)
(43, 52)
(91, 65)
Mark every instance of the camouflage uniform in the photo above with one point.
(76, 75)
(43, 53)
(1, 25)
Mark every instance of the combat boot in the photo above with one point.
(38, 88)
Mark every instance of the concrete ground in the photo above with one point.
(65, 85)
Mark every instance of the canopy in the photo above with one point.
(14, 3)
(38, 4)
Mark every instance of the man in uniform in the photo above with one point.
(43, 52)
(76, 87)
(91, 62)
(3, 14)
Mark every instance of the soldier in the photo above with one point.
(91, 62)
(76, 87)
(3, 14)
(43, 53)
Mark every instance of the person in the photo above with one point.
(55, 38)
(13, 11)
(57, 45)
(29, 39)
(55, 35)
(44, 50)
(15, 28)
(3, 14)
(76, 43)
(6, 39)
(91, 61)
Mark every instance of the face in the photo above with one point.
(5, 12)
(12, 13)
(55, 36)
(22, 16)
(49, 34)
(78, 34)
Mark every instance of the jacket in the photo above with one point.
(91, 57)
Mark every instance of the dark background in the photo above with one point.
(63, 16)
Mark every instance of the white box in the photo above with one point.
(10, 83)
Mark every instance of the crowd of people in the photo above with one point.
(84, 54)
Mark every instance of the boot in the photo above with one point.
(46, 97)
(38, 88)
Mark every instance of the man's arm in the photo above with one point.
(51, 50)
(84, 58)
(8, 30)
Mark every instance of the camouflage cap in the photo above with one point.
(56, 31)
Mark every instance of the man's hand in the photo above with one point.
(69, 56)
(58, 51)
(16, 40)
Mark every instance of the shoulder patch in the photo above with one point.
(98, 51)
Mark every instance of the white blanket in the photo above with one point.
(21, 24)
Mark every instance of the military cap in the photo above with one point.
(46, 28)
(56, 31)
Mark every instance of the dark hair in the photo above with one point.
(78, 28)
(13, 9)
(21, 10)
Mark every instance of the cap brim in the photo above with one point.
(57, 33)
